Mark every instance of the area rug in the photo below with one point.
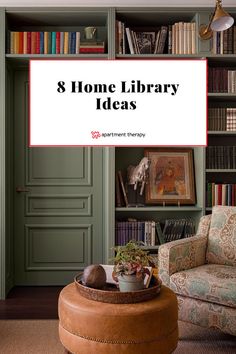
(41, 337)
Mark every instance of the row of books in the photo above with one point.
(221, 80)
(221, 157)
(222, 119)
(224, 42)
(143, 231)
(179, 38)
(183, 38)
(50, 43)
(220, 194)
(153, 233)
(175, 229)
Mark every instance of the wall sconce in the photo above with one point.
(220, 21)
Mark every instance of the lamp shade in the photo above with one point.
(221, 20)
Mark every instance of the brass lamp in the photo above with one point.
(220, 21)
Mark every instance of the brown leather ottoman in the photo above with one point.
(91, 327)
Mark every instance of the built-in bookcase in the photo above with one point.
(106, 22)
(125, 156)
(164, 28)
(221, 150)
(62, 22)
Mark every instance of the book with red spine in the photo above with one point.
(90, 50)
(58, 42)
(21, 37)
(28, 42)
(37, 42)
(219, 194)
(33, 42)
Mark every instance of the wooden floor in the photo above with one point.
(27, 302)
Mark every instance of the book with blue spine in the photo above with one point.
(73, 42)
(41, 42)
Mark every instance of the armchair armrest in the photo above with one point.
(185, 253)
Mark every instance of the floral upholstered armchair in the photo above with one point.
(201, 270)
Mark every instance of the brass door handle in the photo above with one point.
(22, 190)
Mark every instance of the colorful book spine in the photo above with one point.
(66, 43)
(21, 37)
(61, 42)
(37, 42)
(33, 42)
(45, 42)
(25, 42)
(77, 43)
(41, 43)
(58, 43)
(73, 43)
(53, 43)
(49, 42)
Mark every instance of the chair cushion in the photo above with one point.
(221, 247)
(210, 282)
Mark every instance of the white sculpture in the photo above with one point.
(138, 174)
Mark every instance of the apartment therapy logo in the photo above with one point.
(125, 87)
(96, 134)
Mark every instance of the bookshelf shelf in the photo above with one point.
(54, 56)
(221, 58)
(220, 170)
(150, 248)
(216, 132)
(160, 209)
(159, 56)
(222, 97)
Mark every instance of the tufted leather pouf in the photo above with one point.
(92, 327)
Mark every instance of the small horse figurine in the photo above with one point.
(138, 174)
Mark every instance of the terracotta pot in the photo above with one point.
(130, 283)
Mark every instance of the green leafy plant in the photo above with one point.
(131, 259)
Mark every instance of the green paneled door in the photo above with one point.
(58, 204)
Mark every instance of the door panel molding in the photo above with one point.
(58, 205)
(42, 240)
(39, 175)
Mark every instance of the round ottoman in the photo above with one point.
(92, 327)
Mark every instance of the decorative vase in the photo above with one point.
(130, 283)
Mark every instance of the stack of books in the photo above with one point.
(50, 43)
(175, 229)
(183, 38)
(153, 233)
(144, 231)
(221, 157)
(179, 38)
(220, 194)
(222, 119)
(221, 80)
(224, 42)
(231, 119)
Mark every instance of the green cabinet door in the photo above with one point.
(58, 204)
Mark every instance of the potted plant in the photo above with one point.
(130, 264)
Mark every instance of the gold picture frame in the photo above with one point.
(171, 176)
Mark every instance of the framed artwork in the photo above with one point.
(171, 176)
(145, 42)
